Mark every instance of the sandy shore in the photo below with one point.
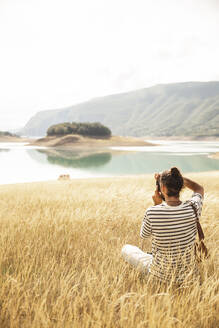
(13, 139)
(215, 156)
(76, 141)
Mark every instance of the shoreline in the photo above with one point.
(77, 141)
(214, 156)
(181, 138)
(107, 178)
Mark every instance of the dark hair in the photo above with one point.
(173, 180)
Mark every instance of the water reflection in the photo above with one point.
(20, 163)
(70, 159)
(80, 160)
(119, 163)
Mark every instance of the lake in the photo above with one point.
(22, 163)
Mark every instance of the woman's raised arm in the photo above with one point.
(193, 186)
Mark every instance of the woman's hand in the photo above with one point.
(156, 176)
(157, 199)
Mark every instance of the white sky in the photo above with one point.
(54, 53)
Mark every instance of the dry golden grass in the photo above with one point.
(60, 258)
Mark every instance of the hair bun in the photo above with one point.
(175, 172)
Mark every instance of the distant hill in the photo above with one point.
(179, 109)
(7, 134)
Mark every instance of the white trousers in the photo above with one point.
(136, 257)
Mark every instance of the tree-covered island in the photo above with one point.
(85, 135)
(87, 129)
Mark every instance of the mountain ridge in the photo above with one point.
(187, 108)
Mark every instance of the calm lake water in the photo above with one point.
(21, 163)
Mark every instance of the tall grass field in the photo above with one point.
(61, 265)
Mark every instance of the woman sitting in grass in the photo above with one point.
(172, 226)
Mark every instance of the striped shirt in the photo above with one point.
(173, 230)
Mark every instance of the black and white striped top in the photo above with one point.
(173, 230)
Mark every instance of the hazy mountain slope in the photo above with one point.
(190, 108)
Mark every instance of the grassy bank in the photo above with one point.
(60, 257)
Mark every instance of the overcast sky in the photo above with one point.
(54, 53)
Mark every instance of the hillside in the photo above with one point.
(190, 108)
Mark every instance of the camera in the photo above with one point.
(158, 187)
